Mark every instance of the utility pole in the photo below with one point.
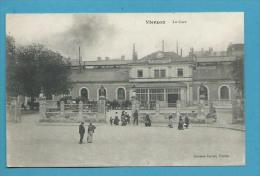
(177, 47)
(79, 56)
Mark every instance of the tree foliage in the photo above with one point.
(238, 74)
(38, 68)
(11, 89)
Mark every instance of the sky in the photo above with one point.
(112, 35)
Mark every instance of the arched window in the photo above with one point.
(102, 92)
(121, 94)
(84, 94)
(224, 93)
(203, 93)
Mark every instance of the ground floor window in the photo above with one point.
(156, 95)
(102, 92)
(224, 93)
(203, 92)
(142, 94)
(152, 95)
(84, 94)
(121, 94)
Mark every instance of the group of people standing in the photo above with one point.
(91, 130)
(183, 123)
(125, 119)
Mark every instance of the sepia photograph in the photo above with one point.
(125, 89)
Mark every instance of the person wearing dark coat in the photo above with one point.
(116, 120)
(147, 121)
(135, 115)
(123, 119)
(91, 129)
(186, 121)
(122, 115)
(128, 118)
(81, 132)
(181, 123)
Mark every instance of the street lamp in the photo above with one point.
(133, 96)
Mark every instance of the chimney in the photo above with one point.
(99, 58)
(134, 54)
(162, 45)
(123, 57)
(191, 51)
(181, 51)
(210, 50)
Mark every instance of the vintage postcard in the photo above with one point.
(125, 89)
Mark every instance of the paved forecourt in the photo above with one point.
(30, 144)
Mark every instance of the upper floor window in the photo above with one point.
(156, 73)
(160, 73)
(139, 73)
(180, 72)
(163, 73)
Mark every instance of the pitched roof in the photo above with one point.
(108, 62)
(215, 59)
(102, 62)
(100, 75)
(237, 46)
(167, 56)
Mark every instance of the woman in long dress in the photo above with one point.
(147, 121)
(181, 123)
(91, 129)
(170, 121)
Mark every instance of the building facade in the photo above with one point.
(164, 78)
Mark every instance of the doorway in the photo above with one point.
(172, 100)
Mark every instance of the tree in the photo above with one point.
(238, 74)
(11, 88)
(39, 69)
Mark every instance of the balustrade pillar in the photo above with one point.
(42, 107)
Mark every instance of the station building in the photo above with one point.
(160, 77)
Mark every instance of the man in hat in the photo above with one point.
(135, 115)
(81, 132)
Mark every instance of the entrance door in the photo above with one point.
(172, 100)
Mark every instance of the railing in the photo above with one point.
(152, 106)
(222, 102)
(76, 107)
(90, 108)
(71, 106)
(172, 105)
(108, 107)
(147, 106)
(52, 110)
